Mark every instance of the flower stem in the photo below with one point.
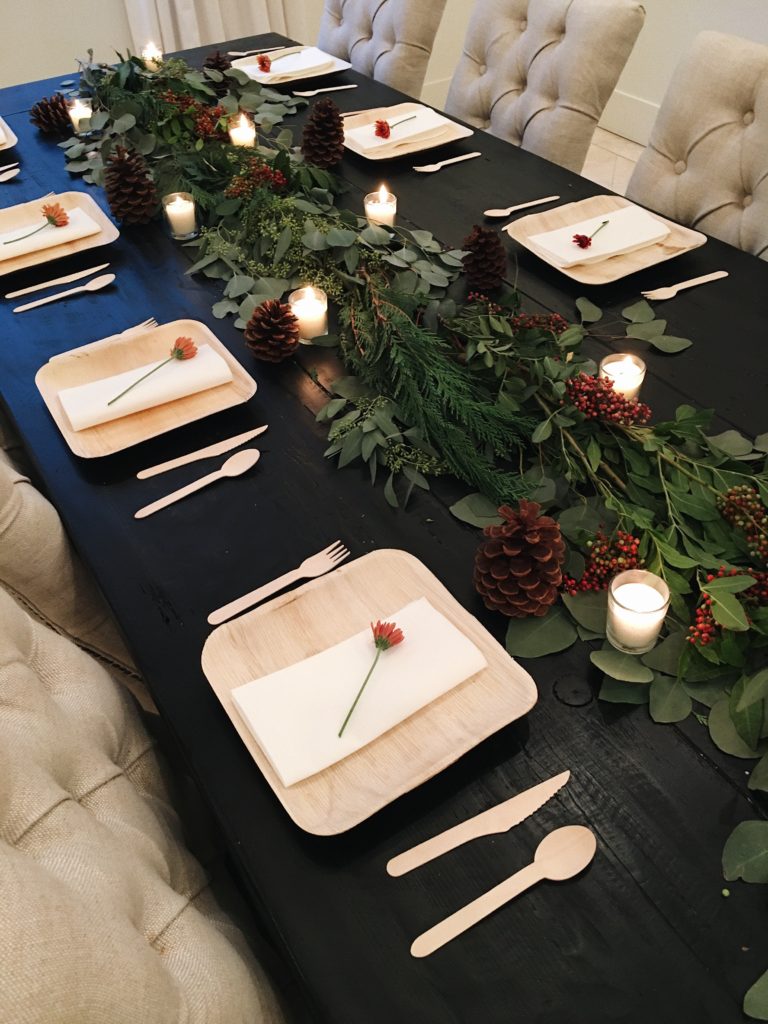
(144, 377)
(402, 120)
(598, 229)
(9, 241)
(360, 692)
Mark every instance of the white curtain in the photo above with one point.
(179, 24)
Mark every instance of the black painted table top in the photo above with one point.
(645, 934)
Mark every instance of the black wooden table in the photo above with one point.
(645, 934)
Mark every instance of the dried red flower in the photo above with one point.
(56, 215)
(584, 241)
(263, 62)
(382, 129)
(386, 635)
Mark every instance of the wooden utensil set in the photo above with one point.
(560, 855)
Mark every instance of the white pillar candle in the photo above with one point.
(626, 371)
(381, 207)
(637, 607)
(152, 57)
(80, 111)
(310, 307)
(180, 211)
(242, 132)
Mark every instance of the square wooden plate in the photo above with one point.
(80, 366)
(452, 132)
(248, 65)
(10, 139)
(24, 213)
(679, 240)
(327, 610)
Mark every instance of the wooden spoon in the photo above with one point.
(560, 855)
(92, 286)
(9, 174)
(236, 464)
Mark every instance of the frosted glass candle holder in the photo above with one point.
(627, 372)
(310, 307)
(80, 112)
(637, 606)
(181, 215)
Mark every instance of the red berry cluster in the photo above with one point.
(208, 123)
(257, 174)
(540, 322)
(741, 507)
(596, 399)
(483, 300)
(704, 629)
(607, 557)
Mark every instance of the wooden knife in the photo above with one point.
(500, 818)
(203, 453)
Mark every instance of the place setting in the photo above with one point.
(283, 65)
(383, 133)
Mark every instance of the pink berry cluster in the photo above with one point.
(597, 400)
(607, 557)
(742, 508)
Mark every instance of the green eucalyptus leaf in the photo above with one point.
(617, 692)
(749, 719)
(755, 688)
(728, 612)
(99, 119)
(536, 636)
(283, 244)
(728, 584)
(589, 312)
(665, 657)
(646, 331)
(626, 667)
(542, 432)
(590, 610)
(724, 735)
(669, 702)
(670, 344)
(756, 999)
(389, 491)
(639, 313)
(745, 854)
(123, 124)
(477, 510)
(759, 777)
(731, 442)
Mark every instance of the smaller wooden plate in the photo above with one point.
(20, 215)
(10, 139)
(326, 611)
(679, 240)
(83, 366)
(452, 133)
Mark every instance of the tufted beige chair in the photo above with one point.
(106, 917)
(390, 40)
(707, 161)
(538, 73)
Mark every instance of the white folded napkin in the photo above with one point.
(86, 404)
(80, 226)
(295, 713)
(426, 123)
(628, 229)
(287, 69)
(2, 135)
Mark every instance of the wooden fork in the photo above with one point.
(659, 294)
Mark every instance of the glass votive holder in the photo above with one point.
(381, 207)
(310, 307)
(152, 57)
(637, 606)
(627, 371)
(242, 131)
(181, 215)
(80, 111)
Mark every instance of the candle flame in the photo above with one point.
(244, 122)
(150, 50)
(383, 194)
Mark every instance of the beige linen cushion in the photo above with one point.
(389, 40)
(538, 73)
(706, 164)
(106, 917)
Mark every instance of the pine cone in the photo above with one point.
(518, 570)
(131, 192)
(272, 333)
(486, 261)
(217, 61)
(51, 116)
(322, 141)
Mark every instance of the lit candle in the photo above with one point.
(80, 111)
(626, 371)
(637, 607)
(152, 57)
(180, 211)
(381, 207)
(242, 132)
(310, 307)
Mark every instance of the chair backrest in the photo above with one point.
(390, 40)
(706, 164)
(538, 73)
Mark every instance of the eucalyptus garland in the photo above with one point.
(441, 382)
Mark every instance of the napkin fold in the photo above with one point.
(287, 69)
(295, 713)
(425, 124)
(2, 135)
(86, 404)
(628, 229)
(80, 226)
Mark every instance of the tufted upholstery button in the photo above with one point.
(680, 166)
(749, 117)
(482, 69)
(746, 201)
(523, 24)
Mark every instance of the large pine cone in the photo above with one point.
(51, 116)
(131, 192)
(272, 333)
(486, 261)
(218, 61)
(518, 570)
(322, 142)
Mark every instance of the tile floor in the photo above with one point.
(610, 160)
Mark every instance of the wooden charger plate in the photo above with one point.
(22, 214)
(679, 240)
(451, 133)
(326, 611)
(114, 355)
(10, 139)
